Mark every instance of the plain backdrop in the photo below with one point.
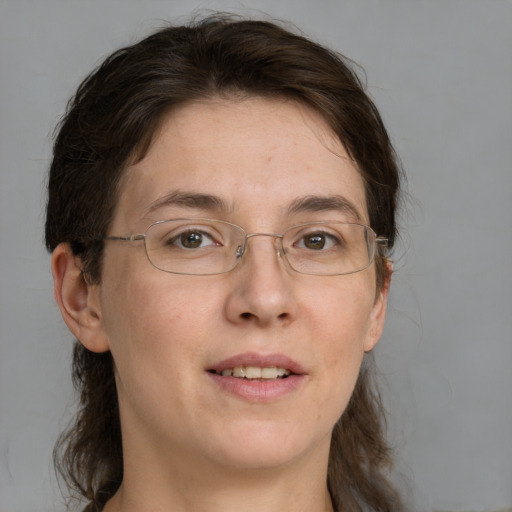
(441, 73)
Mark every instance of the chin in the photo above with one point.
(260, 447)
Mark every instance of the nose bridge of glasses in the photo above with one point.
(276, 236)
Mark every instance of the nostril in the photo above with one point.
(246, 315)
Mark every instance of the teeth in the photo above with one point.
(239, 371)
(252, 372)
(255, 372)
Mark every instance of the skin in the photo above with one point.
(189, 445)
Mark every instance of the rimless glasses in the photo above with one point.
(207, 246)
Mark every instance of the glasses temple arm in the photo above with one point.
(130, 238)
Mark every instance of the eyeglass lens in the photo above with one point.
(204, 247)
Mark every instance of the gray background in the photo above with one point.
(441, 73)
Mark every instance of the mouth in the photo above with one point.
(258, 378)
(254, 372)
(254, 366)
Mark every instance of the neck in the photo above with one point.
(173, 486)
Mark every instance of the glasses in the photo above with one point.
(208, 247)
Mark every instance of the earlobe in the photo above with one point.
(78, 300)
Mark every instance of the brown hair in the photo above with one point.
(110, 123)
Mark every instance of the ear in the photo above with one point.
(378, 312)
(78, 300)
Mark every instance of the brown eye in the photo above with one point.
(191, 239)
(315, 242)
(318, 241)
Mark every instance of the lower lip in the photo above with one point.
(258, 390)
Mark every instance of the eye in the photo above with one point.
(191, 239)
(318, 241)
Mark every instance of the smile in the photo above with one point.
(258, 378)
(255, 372)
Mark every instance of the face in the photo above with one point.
(171, 335)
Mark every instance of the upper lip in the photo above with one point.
(259, 360)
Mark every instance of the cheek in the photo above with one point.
(340, 320)
(157, 313)
(157, 330)
(341, 311)
(151, 318)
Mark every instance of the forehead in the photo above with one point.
(257, 155)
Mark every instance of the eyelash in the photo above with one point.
(172, 240)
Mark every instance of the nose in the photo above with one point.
(262, 292)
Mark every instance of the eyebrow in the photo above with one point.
(324, 203)
(215, 204)
(196, 200)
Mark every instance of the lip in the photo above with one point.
(258, 390)
(260, 360)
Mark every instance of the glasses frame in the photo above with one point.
(378, 241)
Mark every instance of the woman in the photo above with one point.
(210, 202)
